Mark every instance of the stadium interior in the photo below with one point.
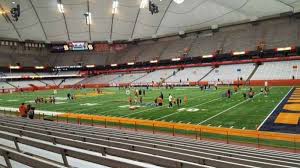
(149, 83)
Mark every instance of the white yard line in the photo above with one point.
(274, 109)
(189, 107)
(163, 105)
(224, 111)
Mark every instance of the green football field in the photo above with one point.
(203, 107)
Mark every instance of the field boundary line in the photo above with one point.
(274, 109)
(227, 110)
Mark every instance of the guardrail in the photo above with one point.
(292, 141)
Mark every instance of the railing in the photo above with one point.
(229, 135)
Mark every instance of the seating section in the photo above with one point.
(189, 75)
(71, 81)
(272, 33)
(156, 76)
(229, 73)
(4, 85)
(25, 84)
(100, 79)
(128, 78)
(88, 146)
(277, 70)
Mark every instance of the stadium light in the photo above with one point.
(39, 67)
(113, 65)
(115, 6)
(153, 61)
(144, 3)
(88, 18)
(176, 59)
(60, 6)
(130, 63)
(284, 49)
(178, 1)
(14, 67)
(207, 56)
(90, 66)
(239, 53)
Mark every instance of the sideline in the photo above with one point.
(11, 109)
(274, 109)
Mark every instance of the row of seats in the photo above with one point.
(225, 74)
(222, 74)
(69, 145)
(278, 70)
(229, 73)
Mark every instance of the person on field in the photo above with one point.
(228, 93)
(244, 95)
(185, 100)
(130, 100)
(22, 110)
(31, 113)
(178, 101)
(161, 95)
(160, 101)
(170, 100)
(251, 94)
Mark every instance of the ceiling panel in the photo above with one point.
(172, 17)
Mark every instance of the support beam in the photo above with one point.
(39, 20)
(66, 25)
(136, 19)
(111, 26)
(6, 158)
(10, 21)
(234, 9)
(88, 9)
(163, 16)
(286, 4)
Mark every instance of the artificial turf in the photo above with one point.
(208, 107)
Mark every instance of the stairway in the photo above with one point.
(171, 75)
(33, 86)
(206, 74)
(11, 84)
(41, 80)
(139, 78)
(252, 73)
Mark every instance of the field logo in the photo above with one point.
(89, 104)
(188, 109)
(12, 100)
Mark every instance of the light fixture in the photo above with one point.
(176, 59)
(284, 49)
(153, 61)
(207, 56)
(239, 53)
(130, 63)
(144, 3)
(39, 67)
(90, 66)
(60, 6)
(113, 65)
(14, 67)
(178, 1)
(115, 6)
